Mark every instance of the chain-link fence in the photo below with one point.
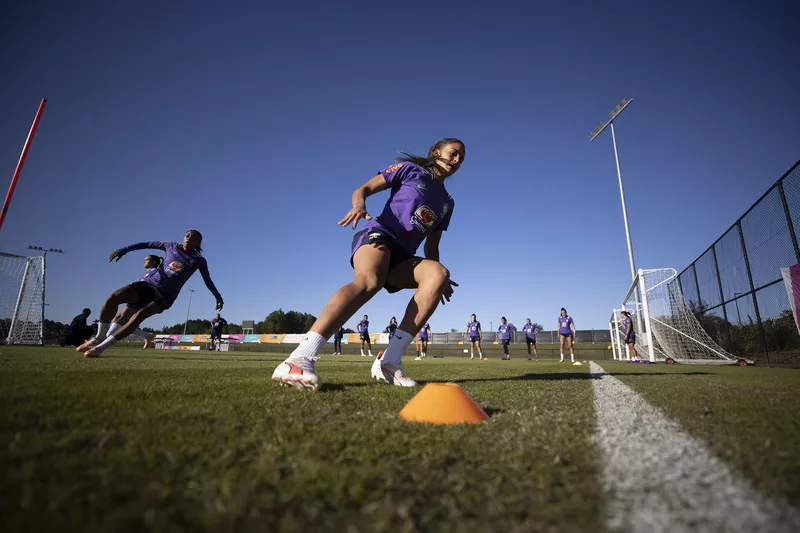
(735, 287)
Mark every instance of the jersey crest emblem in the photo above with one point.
(423, 218)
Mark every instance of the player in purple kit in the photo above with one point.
(475, 334)
(154, 294)
(566, 330)
(423, 335)
(505, 331)
(530, 331)
(363, 334)
(152, 264)
(630, 336)
(392, 327)
(419, 209)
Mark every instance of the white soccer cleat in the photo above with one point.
(298, 373)
(472, 357)
(390, 374)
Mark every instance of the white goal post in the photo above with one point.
(22, 285)
(666, 328)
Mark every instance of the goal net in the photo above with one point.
(665, 327)
(21, 299)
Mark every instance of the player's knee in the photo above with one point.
(369, 284)
(437, 275)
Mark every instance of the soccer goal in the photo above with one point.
(21, 299)
(666, 328)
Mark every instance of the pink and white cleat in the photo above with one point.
(390, 374)
(298, 373)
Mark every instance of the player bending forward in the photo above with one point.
(152, 295)
(419, 209)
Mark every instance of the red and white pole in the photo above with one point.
(21, 162)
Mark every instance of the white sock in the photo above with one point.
(562, 356)
(102, 330)
(100, 348)
(572, 357)
(113, 327)
(397, 345)
(310, 347)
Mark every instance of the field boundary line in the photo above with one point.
(660, 478)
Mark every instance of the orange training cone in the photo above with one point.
(443, 403)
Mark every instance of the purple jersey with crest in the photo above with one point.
(564, 323)
(529, 331)
(177, 268)
(425, 331)
(473, 328)
(363, 326)
(418, 206)
(505, 331)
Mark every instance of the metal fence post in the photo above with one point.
(722, 297)
(752, 290)
(789, 221)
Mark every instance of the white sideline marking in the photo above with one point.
(662, 479)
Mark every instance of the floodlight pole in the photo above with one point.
(592, 136)
(44, 279)
(187, 311)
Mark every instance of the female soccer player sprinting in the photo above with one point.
(154, 294)
(530, 331)
(566, 330)
(423, 335)
(505, 331)
(419, 209)
(152, 264)
(630, 336)
(475, 334)
(363, 332)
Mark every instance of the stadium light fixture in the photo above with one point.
(613, 114)
(187, 311)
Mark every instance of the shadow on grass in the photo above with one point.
(564, 377)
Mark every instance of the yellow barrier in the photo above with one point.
(271, 339)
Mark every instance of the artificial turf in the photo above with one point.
(179, 441)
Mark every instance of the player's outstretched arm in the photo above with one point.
(153, 245)
(360, 195)
(210, 284)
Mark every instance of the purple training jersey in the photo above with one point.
(529, 331)
(363, 326)
(473, 328)
(424, 332)
(505, 331)
(564, 323)
(150, 273)
(418, 206)
(177, 268)
(626, 323)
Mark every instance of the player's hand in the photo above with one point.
(219, 304)
(116, 254)
(354, 215)
(448, 291)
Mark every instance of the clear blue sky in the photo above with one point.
(254, 123)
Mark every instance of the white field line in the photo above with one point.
(659, 478)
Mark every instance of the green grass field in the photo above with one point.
(173, 441)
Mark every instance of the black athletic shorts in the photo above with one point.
(147, 293)
(506, 342)
(216, 334)
(474, 339)
(376, 236)
(530, 341)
